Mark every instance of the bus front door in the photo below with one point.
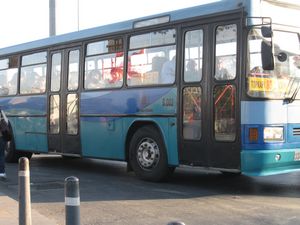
(209, 106)
(63, 102)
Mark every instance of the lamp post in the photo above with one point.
(52, 18)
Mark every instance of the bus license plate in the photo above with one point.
(297, 156)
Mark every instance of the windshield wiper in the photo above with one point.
(290, 86)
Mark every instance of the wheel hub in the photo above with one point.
(148, 153)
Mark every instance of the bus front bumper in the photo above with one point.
(269, 162)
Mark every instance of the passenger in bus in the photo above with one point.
(39, 85)
(27, 82)
(297, 61)
(191, 73)
(12, 84)
(4, 90)
(157, 63)
(221, 71)
(3, 85)
(93, 79)
(167, 75)
(116, 76)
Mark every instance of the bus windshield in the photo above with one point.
(282, 82)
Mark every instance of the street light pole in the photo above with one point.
(78, 15)
(52, 18)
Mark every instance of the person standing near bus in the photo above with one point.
(4, 137)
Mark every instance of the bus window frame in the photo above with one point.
(20, 66)
(50, 64)
(238, 48)
(177, 57)
(9, 67)
(183, 64)
(85, 56)
(68, 73)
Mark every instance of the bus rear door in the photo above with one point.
(63, 102)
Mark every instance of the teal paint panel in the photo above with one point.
(172, 143)
(102, 137)
(25, 105)
(265, 162)
(30, 133)
(144, 101)
(166, 104)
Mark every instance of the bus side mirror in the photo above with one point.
(267, 57)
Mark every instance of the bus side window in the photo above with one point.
(73, 70)
(226, 52)
(149, 64)
(104, 64)
(33, 73)
(193, 56)
(56, 72)
(8, 81)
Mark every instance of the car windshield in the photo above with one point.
(283, 81)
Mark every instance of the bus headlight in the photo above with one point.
(273, 134)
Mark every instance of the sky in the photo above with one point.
(27, 20)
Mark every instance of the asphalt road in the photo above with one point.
(111, 196)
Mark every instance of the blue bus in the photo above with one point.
(212, 86)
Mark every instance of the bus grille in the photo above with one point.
(296, 131)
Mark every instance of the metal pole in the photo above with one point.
(52, 18)
(24, 192)
(78, 21)
(72, 201)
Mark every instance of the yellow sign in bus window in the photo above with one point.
(267, 84)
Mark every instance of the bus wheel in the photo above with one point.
(11, 155)
(147, 155)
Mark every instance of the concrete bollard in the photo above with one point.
(72, 201)
(176, 223)
(24, 192)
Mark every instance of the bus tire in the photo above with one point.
(11, 155)
(147, 155)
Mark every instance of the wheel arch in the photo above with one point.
(134, 127)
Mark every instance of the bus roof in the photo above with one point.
(219, 6)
